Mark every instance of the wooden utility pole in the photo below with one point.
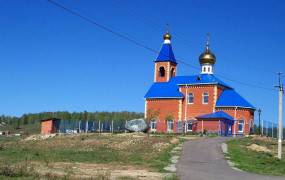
(280, 120)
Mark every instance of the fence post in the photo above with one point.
(112, 126)
(99, 126)
(86, 126)
(125, 126)
(272, 130)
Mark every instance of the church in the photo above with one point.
(198, 103)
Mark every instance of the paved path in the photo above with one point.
(203, 160)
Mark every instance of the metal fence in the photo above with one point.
(79, 126)
(267, 128)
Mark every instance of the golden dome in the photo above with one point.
(207, 57)
(167, 36)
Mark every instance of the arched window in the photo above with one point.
(204, 69)
(169, 125)
(190, 98)
(153, 125)
(172, 72)
(205, 98)
(161, 71)
(209, 69)
(240, 126)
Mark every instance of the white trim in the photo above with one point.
(235, 107)
(164, 98)
(152, 129)
(185, 108)
(170, 130)
(167, 41)
(187, 130)
(145, 109)
(243, 125)
(155, 72)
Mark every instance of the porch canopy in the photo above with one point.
(219, 115)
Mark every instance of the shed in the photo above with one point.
(49, 126)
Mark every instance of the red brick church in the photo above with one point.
(195, 103)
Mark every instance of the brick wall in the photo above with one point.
(191, 111)
(165, 108)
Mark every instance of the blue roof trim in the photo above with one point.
(166, 54)
(216, 115)
(230, 98)
(171, 89)
(163, 90)
(199, 79)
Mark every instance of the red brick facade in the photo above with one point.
(185, 115)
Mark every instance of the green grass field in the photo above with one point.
(59, 153)
(256, 160)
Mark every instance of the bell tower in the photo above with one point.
(165, 63)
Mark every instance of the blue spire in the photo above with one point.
(166, 54)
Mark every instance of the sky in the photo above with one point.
(54, 61)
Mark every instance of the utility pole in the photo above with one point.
(280, 123)
(262, 125)
(259, 127)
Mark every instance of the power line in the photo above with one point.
(180, 36)
(125, 37)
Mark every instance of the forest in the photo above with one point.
(29, 120)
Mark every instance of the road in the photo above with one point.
(203, 160)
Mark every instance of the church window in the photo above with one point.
(170, 125)
(190, 98)
(189, 126)
(204, 69)
(153, 124)
(205, 98)
(161, 71)
(240, 126)
(172, 72)
(209, 69)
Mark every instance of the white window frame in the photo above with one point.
(152, 122)
(188, 98)
(187, 129)
(238, 123)
(203, 97)
(170, 122)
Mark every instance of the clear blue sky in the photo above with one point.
(53, 61)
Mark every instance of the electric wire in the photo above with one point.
(125, 37)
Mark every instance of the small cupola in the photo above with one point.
(207, 59)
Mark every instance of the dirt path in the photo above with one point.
(90, 170)
(203, 160)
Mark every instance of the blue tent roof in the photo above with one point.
(230, 98)
(166, 54)
(164, 90)
(216, 115)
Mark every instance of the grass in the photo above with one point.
(152, 153)
(253, 161)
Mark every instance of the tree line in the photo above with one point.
(33, 118)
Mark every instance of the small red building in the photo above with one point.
(49, 126)
(194, 103)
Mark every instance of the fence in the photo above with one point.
(267, 128)
(74, 126)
